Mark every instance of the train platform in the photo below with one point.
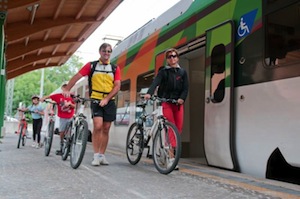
(264, 188)
(211, 182)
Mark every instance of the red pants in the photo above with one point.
(174, 114)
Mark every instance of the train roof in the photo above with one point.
(152, 26)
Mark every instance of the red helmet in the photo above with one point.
(35, 96)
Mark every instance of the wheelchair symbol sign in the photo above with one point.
(243, 28)
(245, 24)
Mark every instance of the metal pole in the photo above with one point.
(42, 83)
(2, 72)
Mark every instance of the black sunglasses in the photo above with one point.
(106, 51)
(170, 56)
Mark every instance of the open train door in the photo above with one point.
(218, 118)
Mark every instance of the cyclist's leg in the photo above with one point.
(104, 136)
(168, 112)
(175, 113)
(109, 115)
(179, 117)
(178, 112)
(102, 118)
(34, 132)
(98, 125)
(63, 122)
(39, 128)
(97, 115)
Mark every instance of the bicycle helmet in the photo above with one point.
(35, 96)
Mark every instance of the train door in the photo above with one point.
(218, 116)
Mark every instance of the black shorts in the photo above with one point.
(108, 112)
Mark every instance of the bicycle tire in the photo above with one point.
(166, 156)
(78, 144)
(20, 136)
(66, 142)
(134, 144)
(49, 138)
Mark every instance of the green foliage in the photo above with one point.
(28, 84)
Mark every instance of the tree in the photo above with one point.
(28, 84)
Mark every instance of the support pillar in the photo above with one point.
(2, 71)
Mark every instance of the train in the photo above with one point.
(242, 58)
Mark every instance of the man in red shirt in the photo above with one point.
(65, 112)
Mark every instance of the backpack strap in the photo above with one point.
(93, 67)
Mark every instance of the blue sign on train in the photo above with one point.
(246, 24)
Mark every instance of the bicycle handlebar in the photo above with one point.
(79, 99)
(28, 111)
(49, 101)
(154, 98)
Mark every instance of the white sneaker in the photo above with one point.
(96, 160)
(34, 144)
(103, 160)
(37, 146)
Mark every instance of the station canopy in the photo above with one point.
(45, 33)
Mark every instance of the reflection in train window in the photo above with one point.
(283, 36)
(123, 104)
(218, 74)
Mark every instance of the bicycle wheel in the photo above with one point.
(78, 144)
(166, 148)
(49, 138)
(67, 142)
(134, 144)
(20, 135)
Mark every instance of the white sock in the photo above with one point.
(96, 155)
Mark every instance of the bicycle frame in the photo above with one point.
(166, 142)
(149, 134)
(77, 136)
(22, 125)
(50, 128)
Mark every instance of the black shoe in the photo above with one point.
(176, 168)
(58, 152)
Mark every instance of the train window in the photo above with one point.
(282, 45)
(142, 85)
(123, 104)
(218, 73)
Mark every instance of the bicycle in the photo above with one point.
(23, 132)
(76, 134)
(166, 147)
(50, 130)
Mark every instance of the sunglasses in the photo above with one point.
(106, 51)
(170, 56)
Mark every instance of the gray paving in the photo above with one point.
(27, 173)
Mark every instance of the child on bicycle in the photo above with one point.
(37, 112)
(65, 112)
